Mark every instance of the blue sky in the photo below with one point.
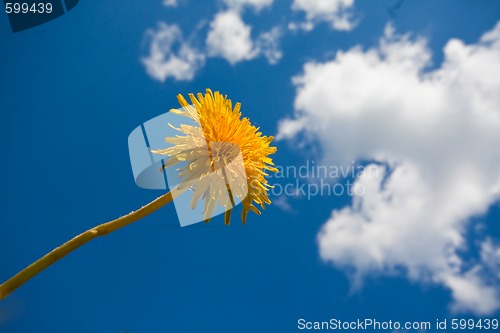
(422, 242)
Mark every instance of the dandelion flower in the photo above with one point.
(205, 152)
(206, 155)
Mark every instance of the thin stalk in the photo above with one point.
(60, 252)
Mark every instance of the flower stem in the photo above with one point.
(29, 272)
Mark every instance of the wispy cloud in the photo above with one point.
(283, 203)
(338, 13)
(170, 55)
(257, 5)
(268, 45)
(170, 3)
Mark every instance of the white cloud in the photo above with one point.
(257, 5)
(471, 293)
(268, 45)
(229, 37)
(490, 256)
(282, 203)
(170, 3)
(336, 12)
(170, 55)
(438, 130)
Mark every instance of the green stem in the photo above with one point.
(29, 272)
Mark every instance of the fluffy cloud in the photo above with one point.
(229, 37)
(170, 55)
(255, 4)
(335, 12)
(433, 136)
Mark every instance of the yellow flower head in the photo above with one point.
(228, 136)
